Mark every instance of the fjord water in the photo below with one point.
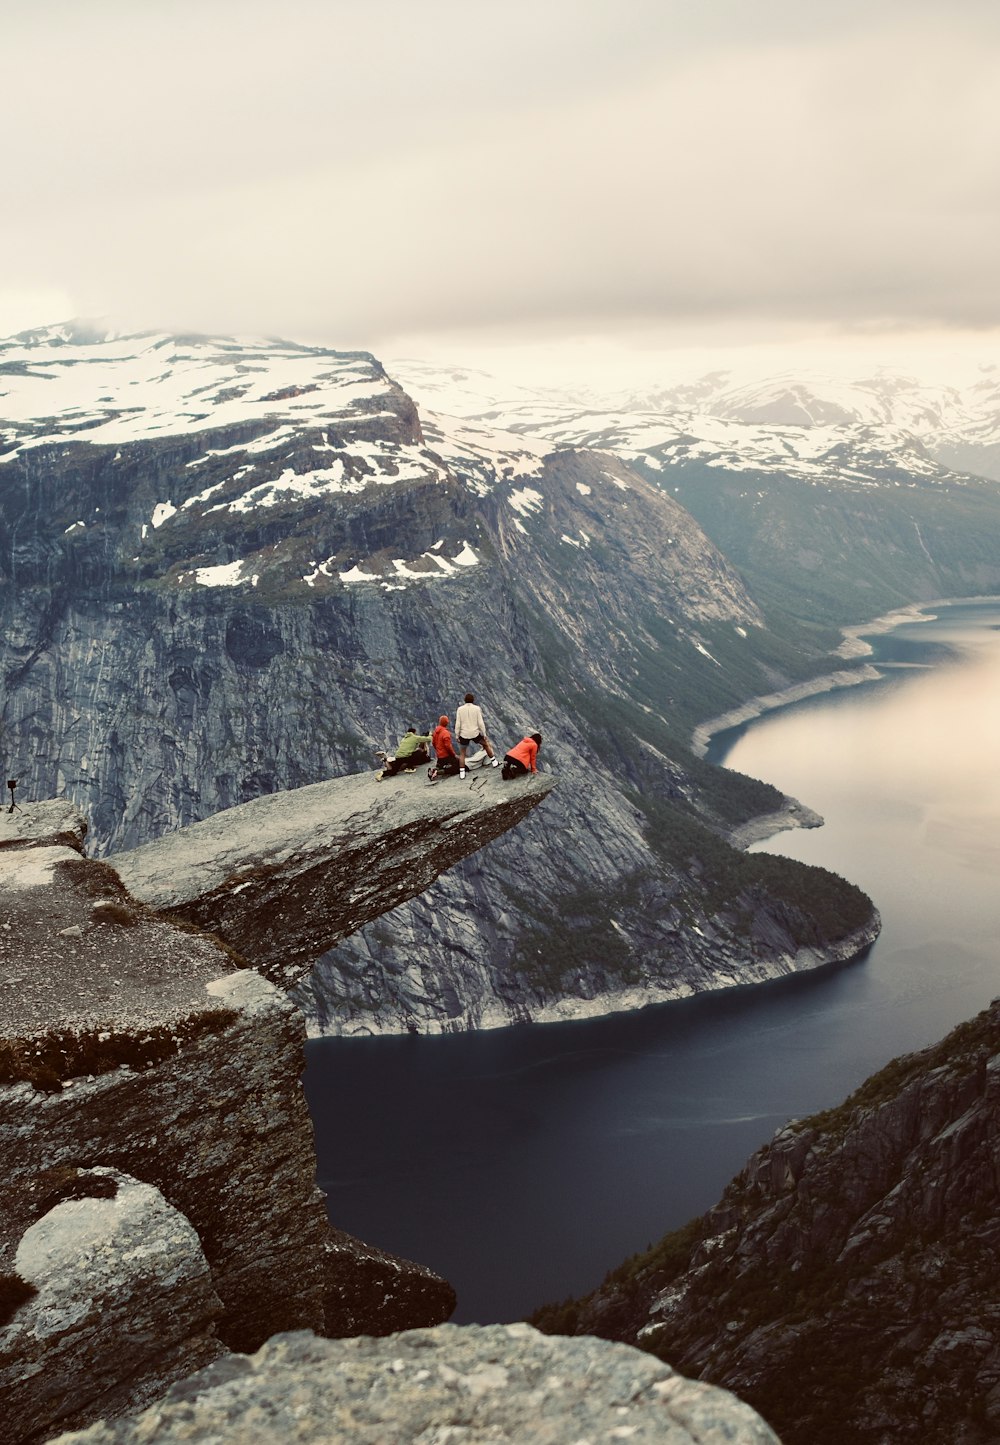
(524, 1163)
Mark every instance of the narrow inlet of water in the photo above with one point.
(524, 1163)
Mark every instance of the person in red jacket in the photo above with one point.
(444, 751)
(522, 757)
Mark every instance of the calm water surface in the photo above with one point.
(524, 1163)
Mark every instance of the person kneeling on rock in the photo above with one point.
(412, 751)
(444, 751)
(522, 757)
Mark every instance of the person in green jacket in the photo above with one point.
(412, 751)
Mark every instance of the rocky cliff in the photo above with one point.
(847, 1282)
(158, 1208)
(231, 569)
(158, 1202)
(288, 876)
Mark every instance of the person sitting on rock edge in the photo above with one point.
(412, 751)
(522, 758)
(471, 728)
(444, 751)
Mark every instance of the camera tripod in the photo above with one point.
(12, 784)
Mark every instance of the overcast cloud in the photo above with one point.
(363, 170)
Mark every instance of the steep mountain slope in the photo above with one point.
(846, 1284)
(230, 567)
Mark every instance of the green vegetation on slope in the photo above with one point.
(835, 556)
(830, 1345)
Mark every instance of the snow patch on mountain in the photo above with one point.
(428, 567)
(129, 388)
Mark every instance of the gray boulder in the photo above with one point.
(124, 1304)
(453, 1385)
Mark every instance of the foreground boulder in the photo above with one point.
(501, 1383)
(123, 1303)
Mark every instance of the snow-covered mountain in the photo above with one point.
(268, 428)
(812, 425)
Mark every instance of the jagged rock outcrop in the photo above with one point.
(506, 1384)
(233, 569)
(285, 877)
(56, 823)
(372, 1292)
(847, 1282)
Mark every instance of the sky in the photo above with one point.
(575, 178)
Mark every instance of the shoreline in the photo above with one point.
(853, 645)
(632, 998)
(755, 707)
(792, 813)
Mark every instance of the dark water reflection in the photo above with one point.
(524, 1163)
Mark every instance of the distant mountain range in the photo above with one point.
(811, 425)
(836, 499)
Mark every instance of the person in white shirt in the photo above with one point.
(469, 729)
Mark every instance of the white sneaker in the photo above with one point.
(494, 762)
(461, 772)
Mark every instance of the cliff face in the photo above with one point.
(250, 588)
(222, 1131)
(158, 1207)
(158, 1202)
(846, 1284)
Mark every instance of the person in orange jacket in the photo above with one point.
(444, 751)
(522, 757)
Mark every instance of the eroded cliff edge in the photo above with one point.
(284, 878)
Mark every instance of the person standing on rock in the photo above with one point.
(522, 758)
(471, 728)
